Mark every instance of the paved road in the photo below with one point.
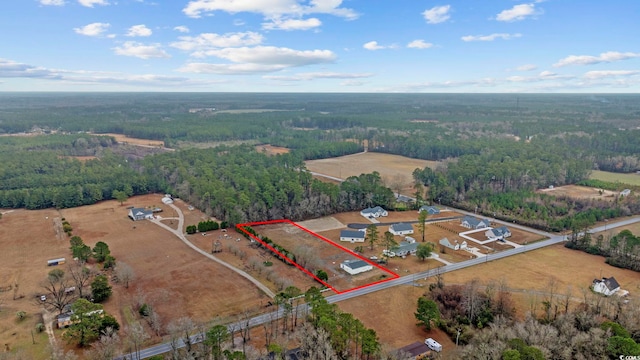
(408, 279)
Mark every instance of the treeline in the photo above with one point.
(621, 250)
(239, 184)
(39, 173)
(501, 182)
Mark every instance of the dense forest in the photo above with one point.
(494, 150)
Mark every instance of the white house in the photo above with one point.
(500, 233)
(354, 267)
(471, 222)
(625, 192)
(455, 246)
(606, 286)
(374, 212)
(140, 214)
(352, 236)
(431, 210)
(401, 229)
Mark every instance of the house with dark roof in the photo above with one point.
(474, 223)
(140, 214)
(431, 210)
(354, 267)
(401, 229)
(352, 236)
(407, 247)
(606, 286)
(374, 212)
(500, 233)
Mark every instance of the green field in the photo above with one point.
(631, 179)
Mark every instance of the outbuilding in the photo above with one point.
(354, 267)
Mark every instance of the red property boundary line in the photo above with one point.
(240, 227)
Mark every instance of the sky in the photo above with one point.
(385, 46)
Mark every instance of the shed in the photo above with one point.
(354, 267)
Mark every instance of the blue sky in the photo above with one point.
(320, 45)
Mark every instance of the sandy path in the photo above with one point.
(181, 236)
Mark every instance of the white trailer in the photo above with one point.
(433, 345)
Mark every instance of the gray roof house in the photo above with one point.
(471, 222)
(407, 247)
(352, 236)
(354, 267)
(500, 233)
(431, 210)
(401, 229)
(140, 214)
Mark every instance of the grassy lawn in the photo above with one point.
(631, 179)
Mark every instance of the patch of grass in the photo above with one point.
(630, 179)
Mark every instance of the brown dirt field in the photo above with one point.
(391, 314)
(272, 150)
(135, 141)
(392, 168)
(278, 270)
(168, 273)
(534, 269)
(525, 274)
(579, 192)
(328, 256)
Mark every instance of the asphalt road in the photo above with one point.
(408, 279)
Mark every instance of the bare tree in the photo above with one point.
(81, 275)
(57, 294)
(106, 348)
(316, 344)
(135, 337)
(124, 274)
(182, 331)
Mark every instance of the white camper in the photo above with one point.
(433, 345)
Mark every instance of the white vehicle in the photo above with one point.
(433, 345)
(388, 253)
(43, 298)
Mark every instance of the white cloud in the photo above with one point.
(518, 12)
(599, 74)
(139, 30)
(318, 75)
(260, 59)
(526, 67)
(93, 29)
(12, 69)
(491, 37)
(229, 69)
(52, 2)
(238, 22)
(269, 8)
(202, 43)
(182, 29)
(437, 14)
(605, 57)
(142, 51)
(542, 76)
(419, 44)
(292, 24)
(91, 3)
(270, 55)
(373, 45)
(352, 83)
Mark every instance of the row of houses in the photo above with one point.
(358, 236)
